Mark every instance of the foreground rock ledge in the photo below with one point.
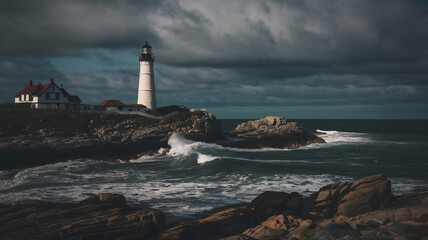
(105, 216)
(363, 209)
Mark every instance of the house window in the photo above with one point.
(56, 96)
(30, 97)
(20, 97)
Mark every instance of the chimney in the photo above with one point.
(52, 80)
(31, 83)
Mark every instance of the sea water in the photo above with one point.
(195, 177)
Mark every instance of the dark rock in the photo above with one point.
(338, 231)
(44, 137)
(105, 216)
(373, 223)
(365, 195)
(399, 228)
(273, 132)
(353, 198)
(106, 198)
(227, 222)
(273, 203)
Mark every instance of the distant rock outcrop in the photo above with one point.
(274, 132)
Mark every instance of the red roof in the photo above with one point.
(34, 90)
(38, 89)
(112, 103)
(135, 105)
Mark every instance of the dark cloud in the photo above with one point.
(47, 28)
(245, 53)
(16, 72)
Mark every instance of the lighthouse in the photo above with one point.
(146, 86)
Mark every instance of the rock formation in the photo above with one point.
(274, 132)
(105, 216)
(30, 137)
(363, 209)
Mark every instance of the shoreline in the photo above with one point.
(359, 209)
(44, 137)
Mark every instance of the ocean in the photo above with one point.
(195, 177)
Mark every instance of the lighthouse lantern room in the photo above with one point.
(146, 87)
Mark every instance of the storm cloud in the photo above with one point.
(245, 55)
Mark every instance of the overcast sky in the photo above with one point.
(236, 58)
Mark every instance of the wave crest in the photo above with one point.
(344, 137)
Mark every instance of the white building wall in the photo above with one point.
(52, 91)
(146, 87)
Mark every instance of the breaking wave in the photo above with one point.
(194, 177)
(344, 137)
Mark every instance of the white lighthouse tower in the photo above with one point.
(146, 86)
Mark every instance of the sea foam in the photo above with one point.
(344, 137)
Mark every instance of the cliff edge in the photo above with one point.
(30, 137)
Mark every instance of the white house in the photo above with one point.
(48, 96)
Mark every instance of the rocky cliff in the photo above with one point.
(363, 209)
(30, 137)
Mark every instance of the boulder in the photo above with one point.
(353, 198)
(223, 223)
(278, 226)
(337, 231)
(273, 228)
(365, 195)
(273, 203)
(271, 131)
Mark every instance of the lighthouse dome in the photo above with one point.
(147, 49)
